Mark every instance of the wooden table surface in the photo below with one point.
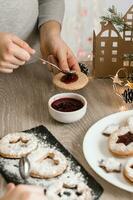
(23, 105)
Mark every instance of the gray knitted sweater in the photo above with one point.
(24, 17)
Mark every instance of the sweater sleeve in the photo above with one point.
(51, 10)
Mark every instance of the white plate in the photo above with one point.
(95, 147)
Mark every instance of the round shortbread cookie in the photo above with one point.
(121, 142)
(47, 163)
(79, 191)
(17, 145)
(128, 170)
(78, 84)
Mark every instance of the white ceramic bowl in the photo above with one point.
(67, 117)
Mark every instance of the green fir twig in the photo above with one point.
(116, 18)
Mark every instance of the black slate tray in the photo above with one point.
(43, 135)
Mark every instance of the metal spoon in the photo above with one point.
(24, 168)
(65, 72)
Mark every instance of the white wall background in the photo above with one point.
(82, 17)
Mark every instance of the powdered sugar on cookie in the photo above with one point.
(70, 175)
(110, 129)
(128, 170)
(130, 123)
(47, 163)
(59, 191)
(16, 145)
(120, 143)
(110, 165)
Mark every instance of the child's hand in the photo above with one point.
(13, 52)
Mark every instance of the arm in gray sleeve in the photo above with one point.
(51, 10)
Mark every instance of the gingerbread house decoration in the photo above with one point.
(111, 48)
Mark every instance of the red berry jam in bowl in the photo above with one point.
(67, 107)
(67, 104)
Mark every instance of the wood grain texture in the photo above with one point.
(23, 105)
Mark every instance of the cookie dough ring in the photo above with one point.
(59, 190)
(79, 84)
(47, 163)
(17, 145)
(128, 170)
(120, 149)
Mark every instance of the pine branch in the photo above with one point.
(116, 18)
(113, 10)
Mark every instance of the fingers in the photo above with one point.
(27, 189)
(6, 70)
(23, 44)
(10, 187)
(10, 61)
(7, 67)
(14, 61)
(10, 65)
(20, 53)
(34, 196)
(53, 60)
(14, 52)
(62, 58)
(24, 192)
(72, 62)
(67, 60)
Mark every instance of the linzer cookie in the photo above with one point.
(121, 142)
(17, 145)
(70, 81)
(47, 163)
(128, 170)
